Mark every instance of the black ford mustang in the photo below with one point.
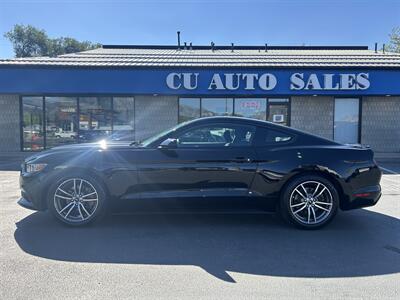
(305, 177)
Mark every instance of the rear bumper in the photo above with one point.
(364, 197)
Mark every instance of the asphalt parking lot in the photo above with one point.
(180, 252)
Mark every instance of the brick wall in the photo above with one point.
(313, 114)
(381, 123)
(9, 123)
(154, 114)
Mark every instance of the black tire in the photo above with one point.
(304, 213)
(99, 208)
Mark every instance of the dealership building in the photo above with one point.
(348, 94)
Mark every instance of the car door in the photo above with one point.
(207, 160)
(276, 159)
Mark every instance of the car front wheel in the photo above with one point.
(309, 202)
(77, 200)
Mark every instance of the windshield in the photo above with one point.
(152, 139)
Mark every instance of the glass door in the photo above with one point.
(278, 111)
(346, 120)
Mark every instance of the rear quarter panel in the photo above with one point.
(340, 164)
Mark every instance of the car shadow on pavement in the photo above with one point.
(356, 243)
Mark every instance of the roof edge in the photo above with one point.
(226, 47)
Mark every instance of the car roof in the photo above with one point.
(230, 119)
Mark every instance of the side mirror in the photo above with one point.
(169, 143)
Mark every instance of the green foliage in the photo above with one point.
(394, 43)
(29, 41)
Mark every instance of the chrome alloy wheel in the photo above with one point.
(76, 200)
(311, 202)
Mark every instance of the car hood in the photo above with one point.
(73, 148)
(103, 144)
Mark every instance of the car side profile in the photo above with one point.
(305, 178)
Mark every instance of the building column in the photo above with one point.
(313, 114)
(9, 123)
(380, 123)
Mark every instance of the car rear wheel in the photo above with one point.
(309, 202)
(77, 200)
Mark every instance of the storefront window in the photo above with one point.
(99, 117)
(278, 111)
(123, 119)
(95, 116)
(216, 107)
(32, 123)
(255, 108)
(346, 120)
(189, 109)
(61, 120)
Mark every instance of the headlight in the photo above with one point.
(33, 168)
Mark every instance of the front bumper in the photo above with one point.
(25, 203)
(32, 191)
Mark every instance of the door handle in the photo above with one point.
(242, 159)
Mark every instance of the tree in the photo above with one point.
(394, 43)
(29, 41)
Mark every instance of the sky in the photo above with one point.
(251, 22)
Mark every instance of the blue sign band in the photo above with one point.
(58, 80)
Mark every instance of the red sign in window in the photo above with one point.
(251, 104)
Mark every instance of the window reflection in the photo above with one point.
(98, 117)
(94, 118)
(224, 135)
(255, 108)
(32, 124)
(61, 120)
(123, 118)
(189, 109)
(216, 107)
(346, 120)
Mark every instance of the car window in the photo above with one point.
(154, 138)
(224, 135)
(273, 137)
